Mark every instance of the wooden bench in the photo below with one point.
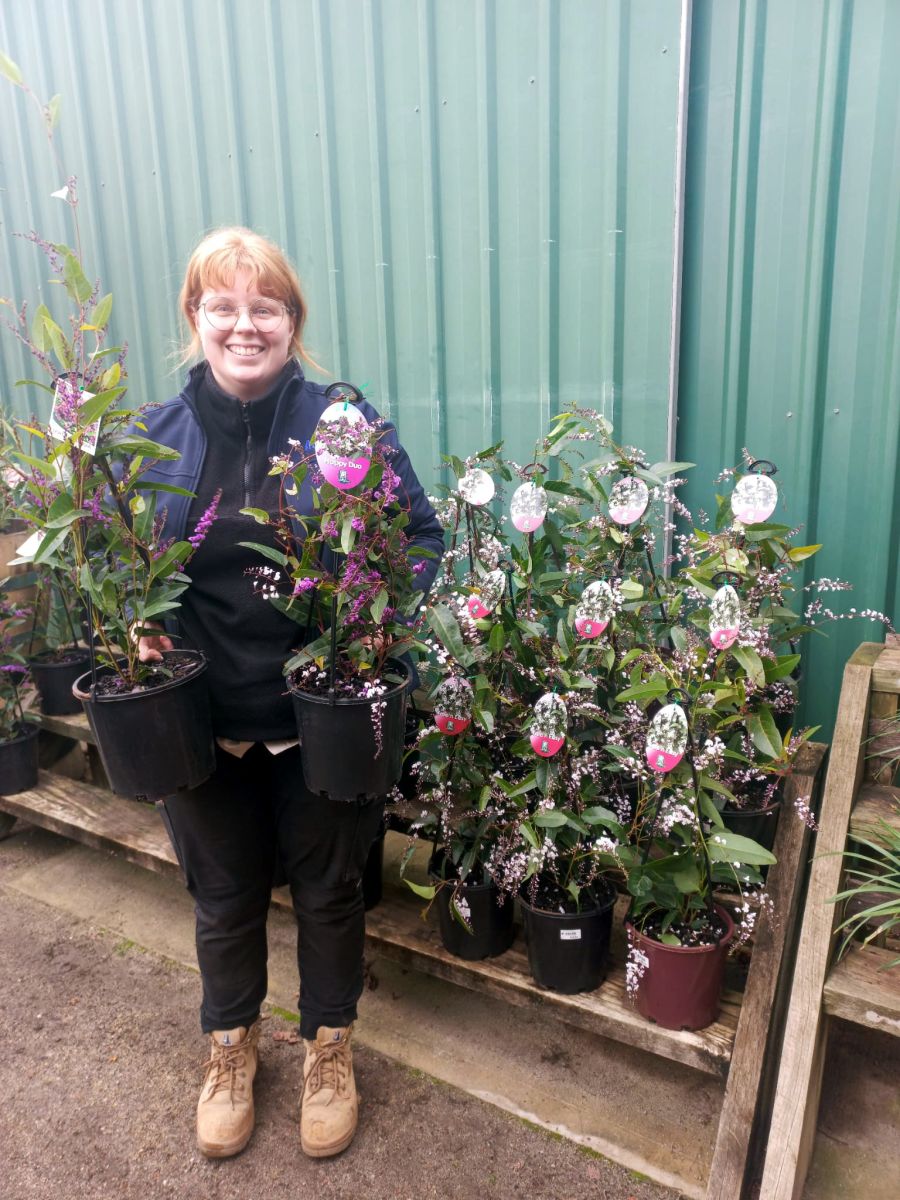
(734, 1047)
(854, 989)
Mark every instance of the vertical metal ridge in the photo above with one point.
(279, 168)
(234, 111)
(622, 139)
(333, 239)
(486, 54)
(201, 175)
(431, 199)
(548, 194)
(384, 305)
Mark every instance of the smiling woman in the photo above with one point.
(246, 402)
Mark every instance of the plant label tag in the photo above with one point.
(67, 400)
(570, 935)
(628, 500)
(754, 499)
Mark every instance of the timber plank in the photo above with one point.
(108, 822)
(860, 989)
(98, 818)
(886, 675)
(875, 802)
(74, 726)
(799, 1083)
(757, 1037)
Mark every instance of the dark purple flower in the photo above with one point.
(203, 525)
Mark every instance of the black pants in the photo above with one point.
(229, 834)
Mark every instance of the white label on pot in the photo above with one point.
(570, 935)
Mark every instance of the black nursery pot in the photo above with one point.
(492, 923)
(569, 952)
(155, 741)
(54, 673)
(759, 824)
(341, 756)
(19, 762)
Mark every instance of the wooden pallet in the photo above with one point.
(854, 989)
(734, 1047)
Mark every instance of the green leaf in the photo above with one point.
(259, 515)
(39, 333)
(348, 535)
(643, 691)
(426, 891)
(101, 312)
(549, 819)
(175, 553)
(269, 552)
(687, 879)
(61, 347)
(497, 638)
(379, 604)
(764, 733)
(10, 70)
(133, 444)
(51, 544)
(598, 815)
(670, 468)
(799, 553)
(76, 281)
(446, 628)
(669, 939)
(151, 485)
(92, 410)
(726, 846)
(631, 590)
(752, 664)
(53, 112)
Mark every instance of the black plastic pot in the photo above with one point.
(492, 923)
(372, 879)
(341, 755)
(569, 952)
(19, 762)
(54, 679)
(155, 741)
(759, 824)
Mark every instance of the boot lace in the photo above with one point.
(220, 1072)
(331, 1069)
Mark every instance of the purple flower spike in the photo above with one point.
(203, 525)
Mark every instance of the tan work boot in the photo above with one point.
(225, 1107)
(328, 1109)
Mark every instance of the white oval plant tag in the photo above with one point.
(476, 487)
(667, 739)
(754, 499)
(343, 471)
(724, 617)
(453, 705)
(549, 725)
(628, 500)
(595, 609)
(528, 507)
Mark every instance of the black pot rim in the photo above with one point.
(76, 654)
(753, 812)
(464, 887)
(201, 664)
(599, 907)
(352, 701)
(30, 733)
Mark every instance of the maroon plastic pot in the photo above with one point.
(682, 986)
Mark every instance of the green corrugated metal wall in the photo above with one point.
(481, 198)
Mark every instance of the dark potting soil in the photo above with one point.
(178, 665)
(353, 687)
(704, 929)
(755, 797)
(550, 897)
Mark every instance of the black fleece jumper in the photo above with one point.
(245, 638)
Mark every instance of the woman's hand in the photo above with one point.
(151, 646)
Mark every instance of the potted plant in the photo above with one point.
(18, 738)
(352, 578)
(83, 490)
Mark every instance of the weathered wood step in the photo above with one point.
(108, 822)
(874, 803)
(861, 988)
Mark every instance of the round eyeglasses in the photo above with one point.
(266, 315)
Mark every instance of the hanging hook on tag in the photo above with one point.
(762, 466)
(534, 468)
(678, 696)
(722, 577)
(343, 391)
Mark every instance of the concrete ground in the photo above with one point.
(100, 975)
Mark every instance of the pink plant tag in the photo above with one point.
(667, 739)
(64, 416)
(451, 725)
(549, 725)
(348, 470)
(483, 603)
(595, 609)
(724, 617)
(754, 499)
(628, 500)
(453, 705)
(528, 507)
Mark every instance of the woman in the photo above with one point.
(242, 404)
